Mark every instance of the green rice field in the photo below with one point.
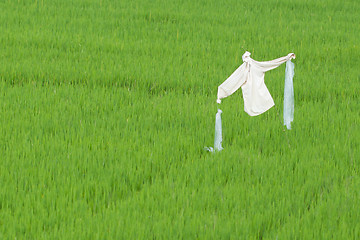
(106, 107)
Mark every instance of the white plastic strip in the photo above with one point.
(289, 95)
(218, 132)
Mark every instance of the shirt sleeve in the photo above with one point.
(269, 65)
(232, 83)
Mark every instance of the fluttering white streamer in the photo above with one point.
(218, 134)
(289, 94)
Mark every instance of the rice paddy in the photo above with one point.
(106, 107)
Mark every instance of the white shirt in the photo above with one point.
(250, 77)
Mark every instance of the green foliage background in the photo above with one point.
(105, 107)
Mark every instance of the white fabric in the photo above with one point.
(250, 77)
(289, 95)
(218, 132)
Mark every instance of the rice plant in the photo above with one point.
(106, 106)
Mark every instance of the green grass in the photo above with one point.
(106, 106)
